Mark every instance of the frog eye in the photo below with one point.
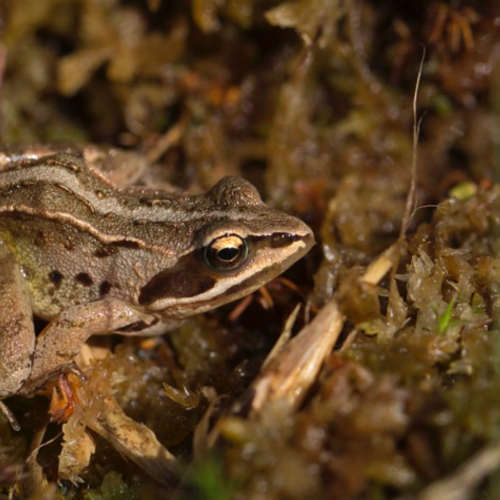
(226, 253)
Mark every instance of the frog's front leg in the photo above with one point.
(17, 336)
(62, 338)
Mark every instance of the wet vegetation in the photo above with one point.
(311, 100)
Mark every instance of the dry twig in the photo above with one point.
(460, 484)
(290, 371)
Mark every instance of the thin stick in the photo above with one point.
(460, 484)
(10, 416)
(171, 137)
(411, 197)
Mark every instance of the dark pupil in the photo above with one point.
(228, 254)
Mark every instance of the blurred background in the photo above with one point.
(311, 100)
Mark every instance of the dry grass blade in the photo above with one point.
(168, 140)
(135, 441)
(397, 309)
(284, 337)
(32, 479)
(202, 440)
(460, 485)
(379, 267)
(10, 416)
(291, 369)
(99, 410)
(290, 374)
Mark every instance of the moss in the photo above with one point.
(311, 100)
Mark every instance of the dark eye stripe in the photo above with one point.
(175, 284)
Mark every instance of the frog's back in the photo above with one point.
(70, 251)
